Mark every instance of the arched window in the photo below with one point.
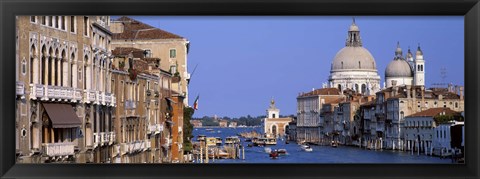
(356, 88)
(32, 63)
(43, 65)
(342, 65)
(340, 87)
(402, 115)
(456, 104)
(50, 70)
(24, 66)
(359, 65)
(364, 88)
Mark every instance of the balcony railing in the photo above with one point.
(20, 88)
(96, 139)
(88, 96)
(112, 137)
(159, 129)
(36, 91)
(124, 148)
(148, 144)
(152, 128)
(116, 150)
(58, 149)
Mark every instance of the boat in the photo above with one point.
(209, 129)
(232, 140)
(219, 141)
(334, 144)
(306, 148)
(249, 145)
(260, 142)
(273, 154)
(201, 137)
(267, 149)
(271, 141)
(282, 151)
(248, 140)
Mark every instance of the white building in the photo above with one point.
(401, 71)
(420, 129)
(354, 66)
(448, 136)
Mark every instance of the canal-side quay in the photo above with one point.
(320, 154)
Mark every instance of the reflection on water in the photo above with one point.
(320, 154)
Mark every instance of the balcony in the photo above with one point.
(148, 144)
(36, 91)
(88, 96)
(167, 142)
(116, 150)
(159, 129)
(129, 104)
(152, 128)
(98, 97)
(108, 98)
(124, 148)
(96, 139)
(77, 95)
(21, 89)
(112, 138)
(58, 149)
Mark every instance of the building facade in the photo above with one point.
(61, 107)
(170, 48)
(309, 106)
(274, 125)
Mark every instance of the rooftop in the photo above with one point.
(434, 112)
(134, 29)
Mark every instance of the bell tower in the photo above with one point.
(419, 77)
(273, 112)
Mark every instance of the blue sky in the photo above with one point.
(245, 61)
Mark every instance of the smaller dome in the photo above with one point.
(398, 68)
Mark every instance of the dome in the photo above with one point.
(398, 68)
(353, 58)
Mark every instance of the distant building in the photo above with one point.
(292, 130)
(223, 123)
(196, 123)
(420, 129)
(274, 126)
(232, 124)
(448, 136)
(309, 106)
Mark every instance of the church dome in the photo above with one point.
(398, 68)
(351, 57)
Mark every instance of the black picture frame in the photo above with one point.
(470, 9)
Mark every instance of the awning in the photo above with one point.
(62, 115)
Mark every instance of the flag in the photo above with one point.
(195, 104)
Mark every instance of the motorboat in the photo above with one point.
(334, 144)
(267, 149)
(273, 154)
(282, 151)
(306, 148)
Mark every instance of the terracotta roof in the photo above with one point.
(370, 103)
(134, 29)
(322, 91)
(434, 111)
(333, 100)
(124, 51)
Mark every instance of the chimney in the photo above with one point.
(408, 91)
(461, 92)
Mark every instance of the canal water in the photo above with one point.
(320, 154)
